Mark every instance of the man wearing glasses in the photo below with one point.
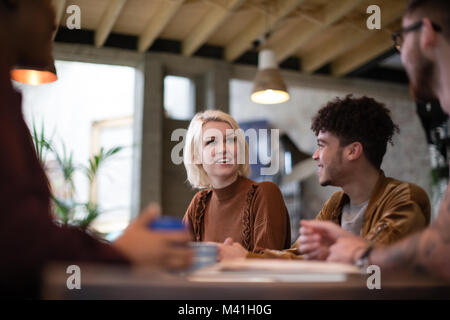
(424, 45)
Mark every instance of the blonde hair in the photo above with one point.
(196, 175)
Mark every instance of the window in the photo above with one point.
(89, 107)
(179, 97)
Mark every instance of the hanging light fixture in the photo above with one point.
(35, 76)
(268, 86)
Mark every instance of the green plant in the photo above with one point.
(67, 210)
(41, 145)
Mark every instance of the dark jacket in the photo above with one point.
(28, 237)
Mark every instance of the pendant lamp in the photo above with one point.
(35, 76)
(268, 86)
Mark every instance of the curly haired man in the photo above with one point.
(352, 137)
(424, 44)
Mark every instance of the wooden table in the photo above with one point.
(106, 282)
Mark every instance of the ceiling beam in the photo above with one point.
(367, 50)
(352, 34)
(307, 28)
(212, 20)
(59, 7)
(157, 23)
(349, 37)
(257, 28)
(107, 22)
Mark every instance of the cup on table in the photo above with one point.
(169, 224)
(205, 254)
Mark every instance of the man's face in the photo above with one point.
(329, 157)
(34, 23)
(418, 67)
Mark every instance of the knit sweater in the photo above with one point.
(251, 213)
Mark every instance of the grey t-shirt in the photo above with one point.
(353, 217)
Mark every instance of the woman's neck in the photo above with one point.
(220, 183)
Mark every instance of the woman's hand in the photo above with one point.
(231, 250)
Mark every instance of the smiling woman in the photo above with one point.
(231, 205)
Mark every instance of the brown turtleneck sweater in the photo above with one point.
(251, 213)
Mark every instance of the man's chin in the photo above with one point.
(325, 183)
(421, 95)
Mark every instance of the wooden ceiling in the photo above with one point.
(317, 32)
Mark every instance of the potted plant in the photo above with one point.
(67, 210)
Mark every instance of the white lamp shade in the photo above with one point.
(268, 86)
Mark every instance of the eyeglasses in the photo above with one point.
(397, 37)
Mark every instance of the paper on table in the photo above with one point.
(289, 266)
(268, 270)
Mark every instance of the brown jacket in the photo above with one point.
(395, 209)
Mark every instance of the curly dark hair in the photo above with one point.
(361, 120)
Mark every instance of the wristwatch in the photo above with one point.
(363, 261)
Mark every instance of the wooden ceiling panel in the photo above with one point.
(233, 25)
(212, 20)
(367, 50)
(305, 31)
(317, 31)
(329, 34)
(276, 13)
(135, 16)
(91, 12)
(281, 31)
(185, 20)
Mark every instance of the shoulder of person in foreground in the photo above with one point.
(427, 251)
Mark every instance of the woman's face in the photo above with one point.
(219, 151)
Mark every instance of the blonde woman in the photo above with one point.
(230, 205)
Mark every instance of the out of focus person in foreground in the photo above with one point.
(28, 237)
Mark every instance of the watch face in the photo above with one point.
(359, 263)
(362, 263)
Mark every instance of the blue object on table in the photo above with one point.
(167, 223)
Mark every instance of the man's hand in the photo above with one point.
(317, 236)
(348, 249)
(231, 250)
(144, 247)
